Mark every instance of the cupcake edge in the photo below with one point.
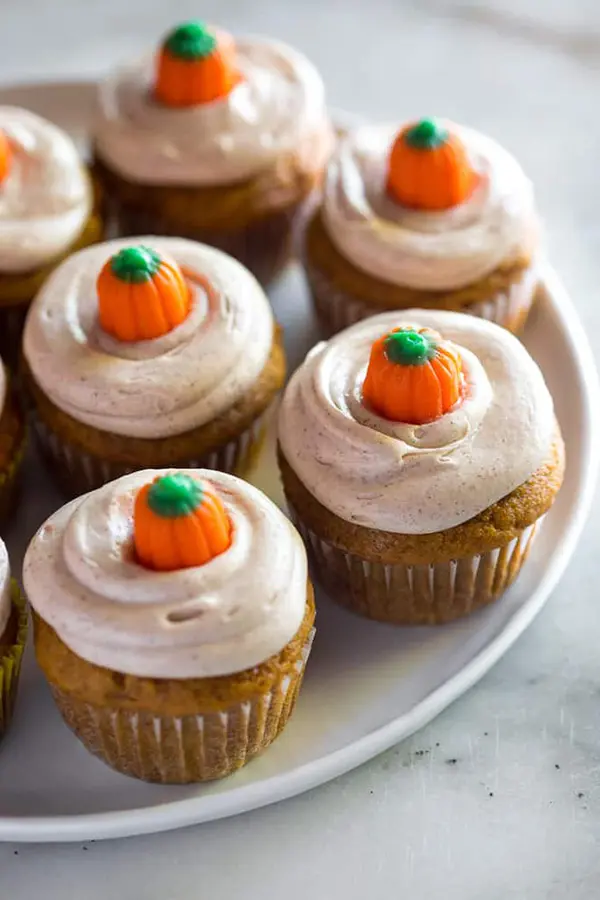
(405, 586)
(11, 659)
(189, 747)
(342, 294)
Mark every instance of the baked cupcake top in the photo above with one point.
(416, 421)
(170, 575)
(209, 110)
(45, 191)
(148, 340)
(433, 207)
(5, 604)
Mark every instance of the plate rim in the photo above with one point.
(196, 810)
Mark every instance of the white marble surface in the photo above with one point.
(500, 797)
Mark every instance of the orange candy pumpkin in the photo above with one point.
(141, 295)
(429, 168)
(413, 376)
(5, 156)
(179, 522)
(195, 65)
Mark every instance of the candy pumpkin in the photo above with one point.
(141, 295)
(5, 156)
(195, 65)
(413, 376)
(179, 522)
(429, 168)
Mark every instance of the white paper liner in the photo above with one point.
(78, 472)
(185, 749)
(337, 310)
(415, 594)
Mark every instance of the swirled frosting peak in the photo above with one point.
(4, 587)
(276, 109)
(435, 218)
(126, 379)
(45, 191)
(234, 612)
(417, 478)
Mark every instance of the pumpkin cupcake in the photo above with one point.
(13, 634)
(173, 620)
(46, 212)
(12, 446)
(162, 353)
(217, 140)
(419, 452)
(435, 216)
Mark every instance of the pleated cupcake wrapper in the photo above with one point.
(415, 594)
(264, 246)
(185, 749)
(10, 480)
(338, 310)
(78, 472)
(12, 323)
(10, 662)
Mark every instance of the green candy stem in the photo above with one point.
(135, 264)
(175, 495)
(409, 348)
(426, 135)
(191, 41)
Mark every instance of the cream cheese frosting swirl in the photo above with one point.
(426, 250)
(46, 198)
(277, 108)
(223, 617)
(5, 604)
(417, 479)
(153, 388)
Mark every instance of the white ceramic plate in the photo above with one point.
(368, 685)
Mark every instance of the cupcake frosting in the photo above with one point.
(4, 588)
(418, 249)
(46, 198)
(152, 388)
(228, 615)
(417, 479)
(277, 108)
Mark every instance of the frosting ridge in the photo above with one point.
(278, 107)
(443, 250)
(158, 387)
(416, 479)
(216, 619)
(46, 197)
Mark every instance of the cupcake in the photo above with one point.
(419, 453)
(46, 212)
(173, 620)
(217, 140)
(162, 353)
(435, 216)
(13, 634)
(12, 446)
